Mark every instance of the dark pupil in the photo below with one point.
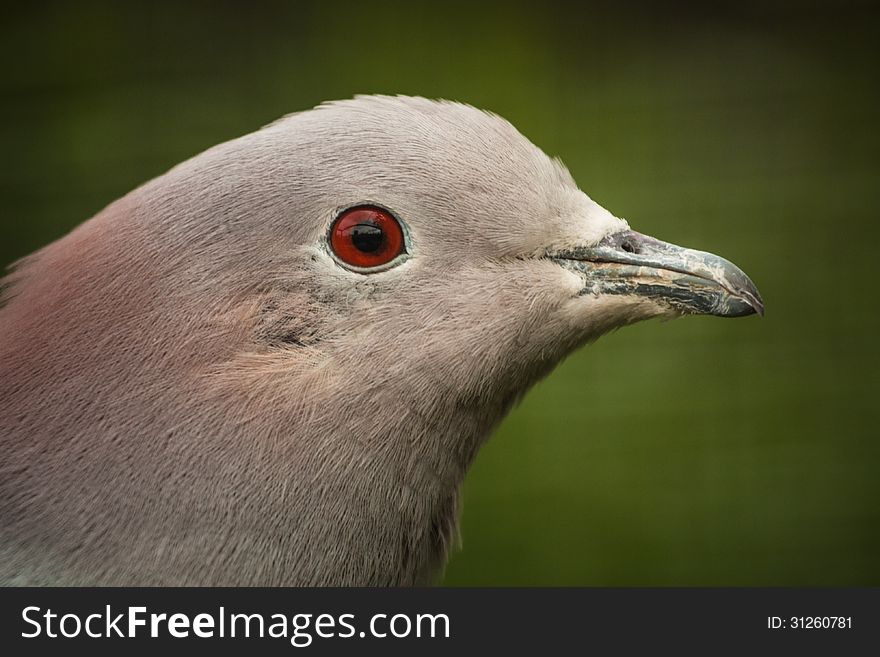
(367, 237)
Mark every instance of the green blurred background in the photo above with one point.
(696, 452)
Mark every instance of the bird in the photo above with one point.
(274, 363)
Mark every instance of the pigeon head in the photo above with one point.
(431, 242)
(275, 363)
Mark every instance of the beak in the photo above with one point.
(689, 282)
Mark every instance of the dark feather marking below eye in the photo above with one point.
(279, 325)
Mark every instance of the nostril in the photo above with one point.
(629, 246)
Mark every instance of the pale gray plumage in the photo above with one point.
(192, 391)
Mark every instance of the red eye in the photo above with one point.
(366, 236)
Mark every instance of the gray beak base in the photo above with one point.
(690, 282)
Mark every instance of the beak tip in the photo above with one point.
(752, 297)
(756, 303)
(740, 287)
